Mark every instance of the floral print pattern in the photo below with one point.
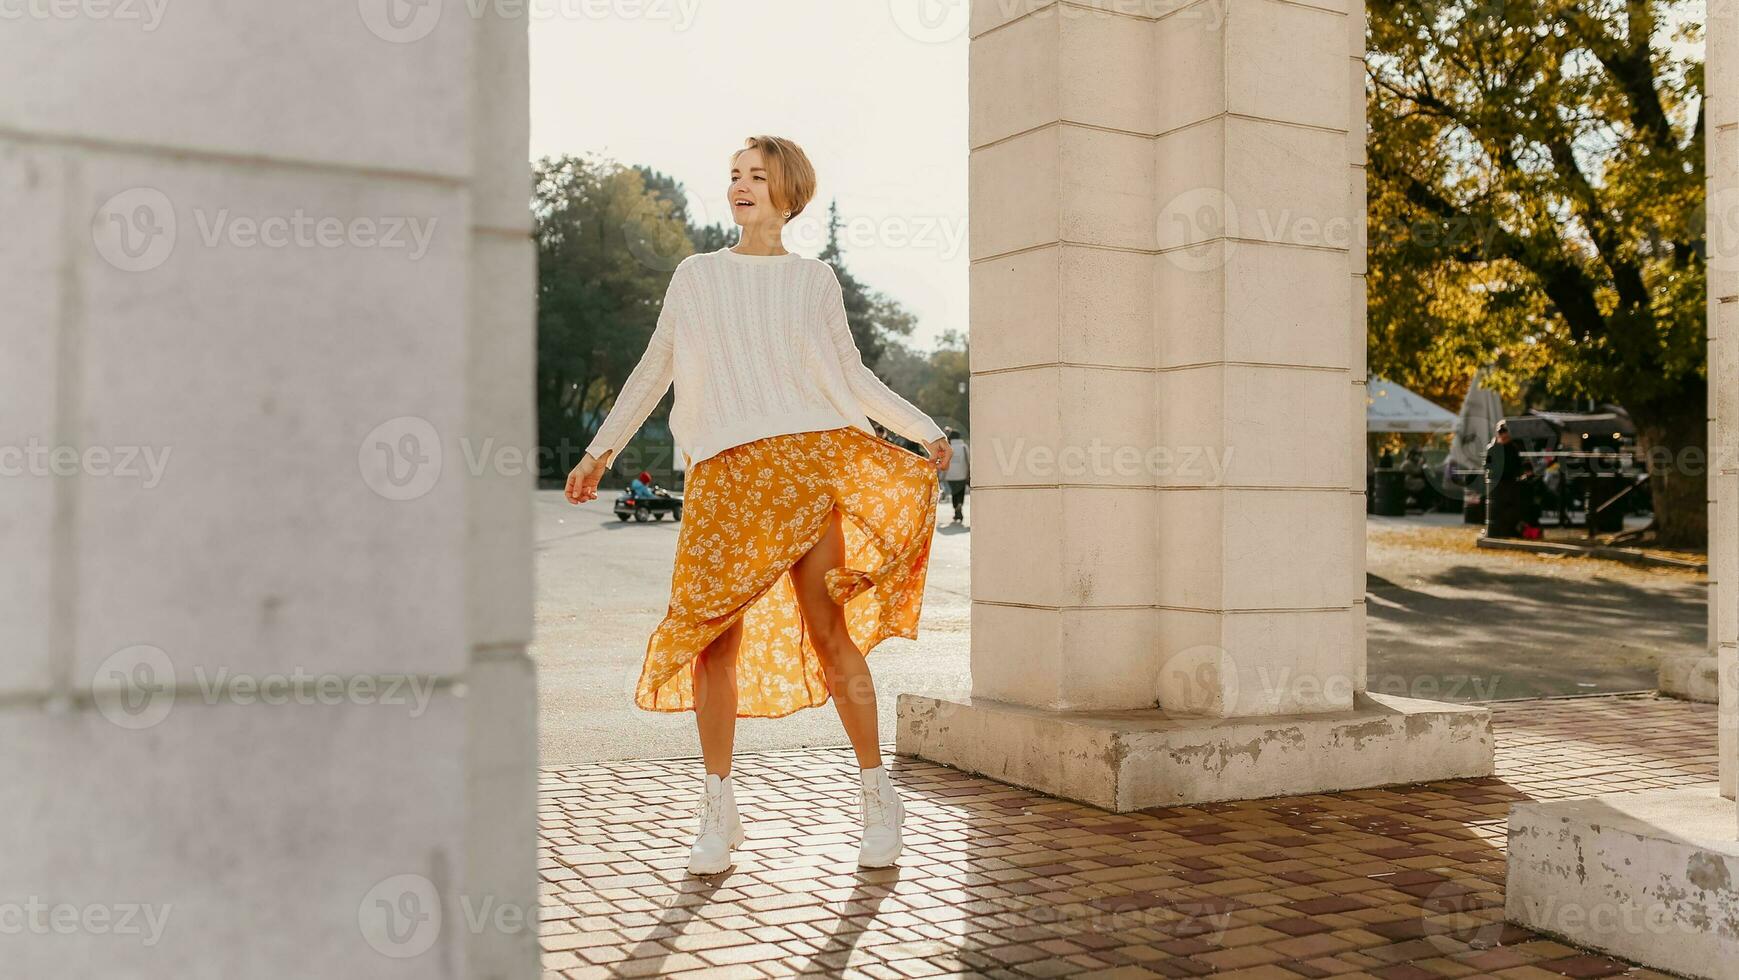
(749, 512)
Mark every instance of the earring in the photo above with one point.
(787, 214)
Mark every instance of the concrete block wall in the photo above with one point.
(264, 699)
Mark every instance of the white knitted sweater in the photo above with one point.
(758, 345)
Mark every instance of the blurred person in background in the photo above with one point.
(957, 473)
(1504, 467)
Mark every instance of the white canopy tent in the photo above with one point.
(1392, 408)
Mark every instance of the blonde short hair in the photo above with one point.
(790, 175)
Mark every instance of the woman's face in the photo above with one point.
(750, 197)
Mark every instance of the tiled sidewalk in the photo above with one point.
(1002, 882)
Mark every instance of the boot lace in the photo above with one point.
(875, 809)
(712, 814)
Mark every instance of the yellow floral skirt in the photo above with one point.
(748, 514)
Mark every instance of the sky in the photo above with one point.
(874, 92)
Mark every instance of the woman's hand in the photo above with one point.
(583, 481)
(941, 451)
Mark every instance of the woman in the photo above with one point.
(805, 539)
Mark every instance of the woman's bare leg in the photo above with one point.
(715, 699)
(842, 663)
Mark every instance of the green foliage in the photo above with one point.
(606, 245)
(945, 392)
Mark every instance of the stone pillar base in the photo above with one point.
(1652, 877)
(1131, 760)
(1691, 677)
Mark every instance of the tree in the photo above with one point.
(1535, 186)
(703, 238)
(936, 380)
(606, 247)
(876, 320)
(949, 381)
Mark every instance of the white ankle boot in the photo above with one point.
(883, 814)
(717, 830)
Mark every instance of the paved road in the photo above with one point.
(1445, 621)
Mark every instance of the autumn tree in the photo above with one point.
(1535, 193)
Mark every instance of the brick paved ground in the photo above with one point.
(997, 881)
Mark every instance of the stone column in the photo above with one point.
(1168, 402)
(1721, 183)
(1654, 876)
(1697, 676)
(264, 700)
